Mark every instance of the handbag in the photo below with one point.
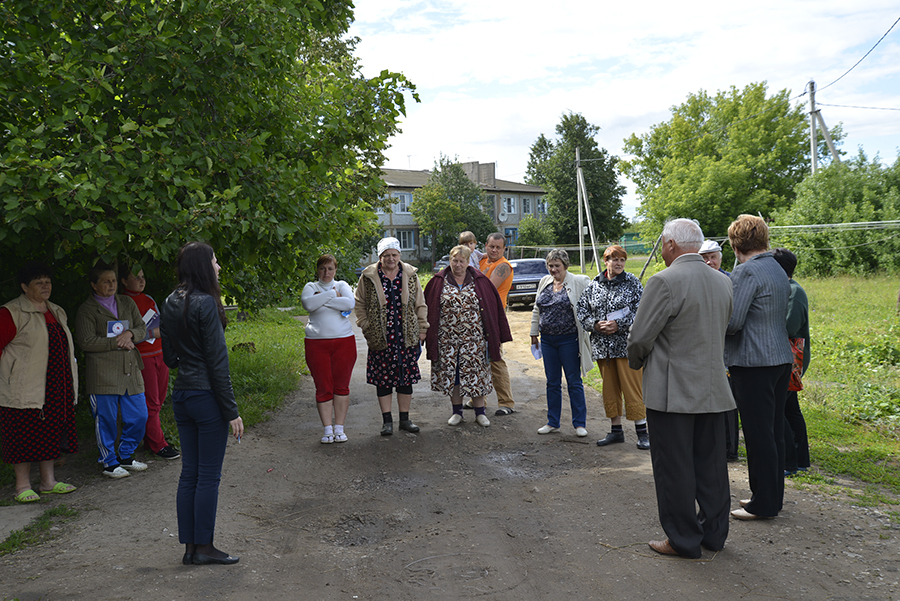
(797, 346)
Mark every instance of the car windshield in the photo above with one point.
(529, 267)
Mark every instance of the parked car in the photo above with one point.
(527, 273)
(444, 262)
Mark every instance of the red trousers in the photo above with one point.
(156, 386)
(330, 361)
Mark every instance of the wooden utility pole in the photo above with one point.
(582, 198)
(815, 115)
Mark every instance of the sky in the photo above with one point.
(493, 75)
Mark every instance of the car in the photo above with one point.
(527, 273)
(444, 262)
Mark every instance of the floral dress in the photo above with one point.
(40, 434)
(462, 346)
(397, 365)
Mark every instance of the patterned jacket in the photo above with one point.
(371, 302)
(602, 298)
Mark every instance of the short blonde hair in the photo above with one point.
(558, 254)
(614, 251)
(465, 251)
(467, 237)
(748, 233)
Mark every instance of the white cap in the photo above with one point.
(710, 246)
(388, 243)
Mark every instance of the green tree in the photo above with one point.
(856, 191)
(717, 157)
(534, 232)
(132, 126)
(551, 165)
(448, 204)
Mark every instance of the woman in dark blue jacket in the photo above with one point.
(193, 339)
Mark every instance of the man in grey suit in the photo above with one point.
(678, 337)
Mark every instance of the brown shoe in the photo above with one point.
(663, 547)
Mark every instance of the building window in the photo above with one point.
(541, 206)
(527, 204)
(491, 205)
(512, 235)
(426, 241)
(403, 202)
(407, 239)
(509, 203)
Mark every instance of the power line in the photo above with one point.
(847, 106)
(864, 56)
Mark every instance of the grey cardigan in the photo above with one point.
(110, 370)
(757, 332)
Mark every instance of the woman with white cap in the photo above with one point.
(391, 312)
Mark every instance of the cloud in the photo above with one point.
(495, 75)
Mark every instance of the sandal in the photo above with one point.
(60, 488)
(27, 496)
(340, 437)
(327, 439)
(504, 411)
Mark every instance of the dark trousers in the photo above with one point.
(796, 444)
(760, 394)
(689, 466)
(204, 435)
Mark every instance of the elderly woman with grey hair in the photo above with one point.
(564, 345)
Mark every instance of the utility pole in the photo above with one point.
(815, 115)
(582, 198)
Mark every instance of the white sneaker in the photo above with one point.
(116, 473)
(455, 419)
(134, 466)
(483, 421)
(581, 432)
(547, 429)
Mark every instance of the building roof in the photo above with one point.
(406, 178)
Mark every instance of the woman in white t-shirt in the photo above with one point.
(330, 346)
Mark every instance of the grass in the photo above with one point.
(38, 530)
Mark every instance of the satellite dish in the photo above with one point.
(503, 216)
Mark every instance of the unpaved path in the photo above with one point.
(451, 513)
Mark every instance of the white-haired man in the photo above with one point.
(678, 333)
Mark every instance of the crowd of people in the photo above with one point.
(683, 358)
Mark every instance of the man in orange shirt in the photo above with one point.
(495, 266)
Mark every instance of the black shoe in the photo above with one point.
(168, 452)
(614, 436)
(188, 559)
(643, 442)
(731, 458)
(387, 429)
(201, 560)
(406, 424)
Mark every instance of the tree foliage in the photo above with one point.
(534, 232)
(551, 165)
(719, 156)
(857, 191)
(132, 126)
(448, 204)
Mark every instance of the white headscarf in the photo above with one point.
(387, 244)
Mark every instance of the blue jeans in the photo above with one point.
(561, 354)
(204, 435)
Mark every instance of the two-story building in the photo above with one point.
(510, 202)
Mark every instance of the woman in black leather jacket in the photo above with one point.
(193, 339)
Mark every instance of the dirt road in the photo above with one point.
(451, 513)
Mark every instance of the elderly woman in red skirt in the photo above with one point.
(38, 380)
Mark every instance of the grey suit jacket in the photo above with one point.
(678, 337)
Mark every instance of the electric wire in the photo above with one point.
(864, 56)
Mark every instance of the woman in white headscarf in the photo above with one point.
(391, 312)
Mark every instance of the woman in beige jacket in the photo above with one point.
(565, 346)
